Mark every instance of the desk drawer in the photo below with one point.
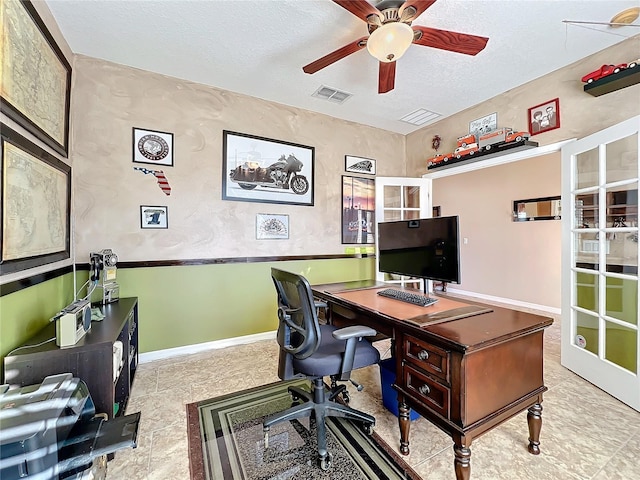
(428, 357)
(427, 390)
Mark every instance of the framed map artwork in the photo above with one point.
(36, 198)
(36, 77)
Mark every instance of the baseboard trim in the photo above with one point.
(203, 347)
(508, 301)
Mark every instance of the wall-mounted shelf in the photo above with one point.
(497, 159)
(616, 81)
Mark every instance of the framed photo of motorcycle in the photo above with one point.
(258, 169)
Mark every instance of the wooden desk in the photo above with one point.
(465, 375)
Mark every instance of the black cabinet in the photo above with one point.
(91, 359)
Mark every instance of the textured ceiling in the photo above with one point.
(258, 48)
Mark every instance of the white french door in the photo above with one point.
(401, 198)
(600, 338)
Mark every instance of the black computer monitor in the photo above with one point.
(425, 248)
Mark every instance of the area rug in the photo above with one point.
(226, 442)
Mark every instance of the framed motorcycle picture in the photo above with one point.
(258, 169)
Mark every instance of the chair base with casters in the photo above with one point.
(318, 404)
(312, 351)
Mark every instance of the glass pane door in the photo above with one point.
(600, 339)
(401, 198)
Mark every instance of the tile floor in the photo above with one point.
(586, 434)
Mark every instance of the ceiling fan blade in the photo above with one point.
(360, 8)
(333, 57)
(386, 77)
(418, 5)
(452, 41)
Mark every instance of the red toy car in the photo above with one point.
(439, 158)
(603, 71)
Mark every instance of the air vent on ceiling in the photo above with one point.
(420, 117)
(331, 94)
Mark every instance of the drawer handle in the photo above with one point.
(423, 354)
(424, 389)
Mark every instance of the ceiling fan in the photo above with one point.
(391, 34)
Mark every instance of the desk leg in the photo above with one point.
(462, 460)
(534, 419)
(405, 424)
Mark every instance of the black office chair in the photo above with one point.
(314, 351)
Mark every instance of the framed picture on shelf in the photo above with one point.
(36, 200)
(272, 227)
(258, 169)
(544, 117)
(36, 76)
(359, 165)
(155, 148)
(358, 210)
(154, 216)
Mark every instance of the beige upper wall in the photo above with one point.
(109, 100)
(520, 260)
(503, 258)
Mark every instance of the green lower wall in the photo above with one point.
(182, 305)
(24, 313)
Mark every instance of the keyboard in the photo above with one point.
(408, 297)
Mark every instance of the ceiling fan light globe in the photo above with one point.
(390, 41)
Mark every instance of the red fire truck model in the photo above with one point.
(471, 144)
(496, 137)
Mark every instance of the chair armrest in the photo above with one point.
(352, 335)
(353, 331)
